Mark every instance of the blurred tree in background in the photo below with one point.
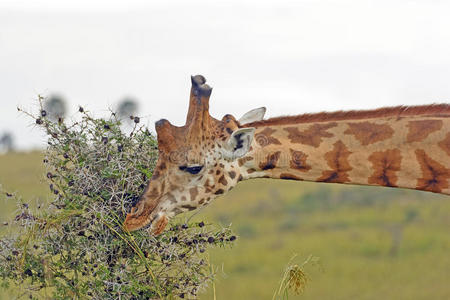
(54, 107)
(127, 108)
(6, 142)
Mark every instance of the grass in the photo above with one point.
(373, 243)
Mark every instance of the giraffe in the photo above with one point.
(406, 147)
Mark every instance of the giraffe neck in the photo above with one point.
(411, 151)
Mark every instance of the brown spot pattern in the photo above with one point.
(171, 198)
(232, 174)
(311, 136)
(188, 207)
(434, 175)
(193, 192)
(368, 133)
(385, 164)
(419, 130)
(219, 192)
(264, 138)
(156, 174)
(288, 176)
(207, 185)
(177, 210)
(298, 161)
(243, 160)
(270, 162)
(445, 144)
(222, 180)
(250, 171)
(337, 160)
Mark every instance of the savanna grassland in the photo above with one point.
(373, 243)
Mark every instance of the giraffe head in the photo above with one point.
(197, 162)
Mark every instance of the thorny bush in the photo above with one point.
(74, 247)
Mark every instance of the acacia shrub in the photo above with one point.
(74, 246)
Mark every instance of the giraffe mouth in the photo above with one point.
(158, 224)
(155, 223)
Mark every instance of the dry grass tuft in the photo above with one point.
(294, 278)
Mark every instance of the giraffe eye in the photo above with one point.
(193, 170)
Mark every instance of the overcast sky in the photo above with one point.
(290, 56)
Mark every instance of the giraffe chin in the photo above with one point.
(159, 224)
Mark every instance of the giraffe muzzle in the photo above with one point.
(144, 217)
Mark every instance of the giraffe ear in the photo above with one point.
(254, 115)
(239, 143)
